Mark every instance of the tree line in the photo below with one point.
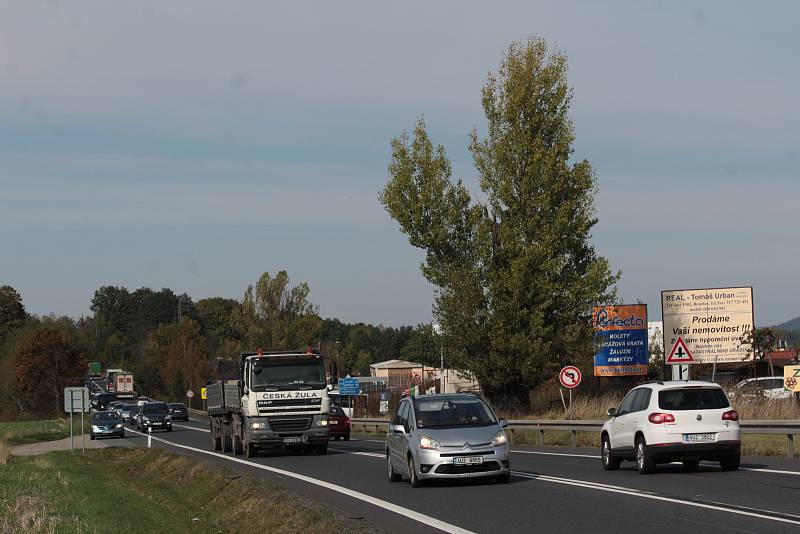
(173, 343)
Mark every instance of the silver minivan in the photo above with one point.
(446, 437)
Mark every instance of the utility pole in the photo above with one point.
(179, 309)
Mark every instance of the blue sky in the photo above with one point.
(195, 145)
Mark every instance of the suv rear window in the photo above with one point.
(692, 399)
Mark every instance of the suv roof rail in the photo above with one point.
(659, 382)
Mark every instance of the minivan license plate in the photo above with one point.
(291, 439)
(689, 438)
(468, 460)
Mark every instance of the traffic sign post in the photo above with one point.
(76, 399)
(570, 376)
(189, 395)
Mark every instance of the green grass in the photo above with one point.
(24, 432)
(149, 490)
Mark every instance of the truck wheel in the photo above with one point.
(237, 445)
(227, 444)
(216, 443)
(250, 450)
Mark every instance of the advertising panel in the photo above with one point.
(622, 331)
(706, 325)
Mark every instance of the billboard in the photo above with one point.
(622, 332)
(706, 325)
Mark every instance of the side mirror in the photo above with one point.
(504, 423)
(612, 412)
(397, 429)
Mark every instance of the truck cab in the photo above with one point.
(282, 402)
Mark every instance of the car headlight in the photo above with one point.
(95, 428)
(119, 425)
(429, 443)
(146, 419)
(499, 439)
(322, 422)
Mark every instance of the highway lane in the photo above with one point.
(554, 493)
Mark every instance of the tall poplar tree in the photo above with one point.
(516, 277)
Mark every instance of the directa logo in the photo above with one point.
(601, 320)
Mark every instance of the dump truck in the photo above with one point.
(280, 401)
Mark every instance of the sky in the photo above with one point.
(195, 145)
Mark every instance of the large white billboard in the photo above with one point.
(706, 325)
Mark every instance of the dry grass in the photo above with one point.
(5, 452)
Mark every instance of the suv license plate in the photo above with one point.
(292, 439)
(690, 438)
(468, 460)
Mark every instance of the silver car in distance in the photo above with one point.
(433, 437)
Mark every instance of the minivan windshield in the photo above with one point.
(442, 412)
(155, 407)
(289, 375)
(696, 398)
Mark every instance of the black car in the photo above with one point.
(154, 416)
(178, 411)
(106, 425)
(101, 401)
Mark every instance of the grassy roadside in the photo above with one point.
(24, 432)
(149, 490)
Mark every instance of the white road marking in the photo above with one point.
(192, 428)
(380, 503)
(647, 495)
(630, 491)
(515, 451)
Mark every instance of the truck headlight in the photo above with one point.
(499, 439)
(322, 422)
(258, 425)
(146, 419)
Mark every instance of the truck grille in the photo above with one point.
(289, 424)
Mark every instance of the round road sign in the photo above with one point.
(190, 394)
(570, 376)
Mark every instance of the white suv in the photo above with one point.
(662, 422)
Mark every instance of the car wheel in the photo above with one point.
(91, 437)
(347, 437)
(413, 477)
(691, 465)
(730, 463)
(644, 462)
(610, 462)
(393, 477)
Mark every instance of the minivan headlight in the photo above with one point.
(499, 439)
(429, 443)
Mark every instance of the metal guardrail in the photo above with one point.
(779, 426)
(786, 427)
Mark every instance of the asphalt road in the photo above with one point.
(552, 490)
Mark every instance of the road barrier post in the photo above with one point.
(541, 437)
(790, 445)
(149, 436)
(574, 438)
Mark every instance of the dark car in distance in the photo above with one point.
(154, 416)
(100, 401)
(179, 411)
(106, 425)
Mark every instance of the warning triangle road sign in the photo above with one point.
(679, 353)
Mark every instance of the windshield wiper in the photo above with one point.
(309, 385)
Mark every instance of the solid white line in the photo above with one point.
(386, 505)
(645, 495)
(556, 454)
(192, 428)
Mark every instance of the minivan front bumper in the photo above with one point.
(433, 464)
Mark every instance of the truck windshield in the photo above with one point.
(289, 375)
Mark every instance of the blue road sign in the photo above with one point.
(349, 386)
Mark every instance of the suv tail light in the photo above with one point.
(658, 417)
(730, 415)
